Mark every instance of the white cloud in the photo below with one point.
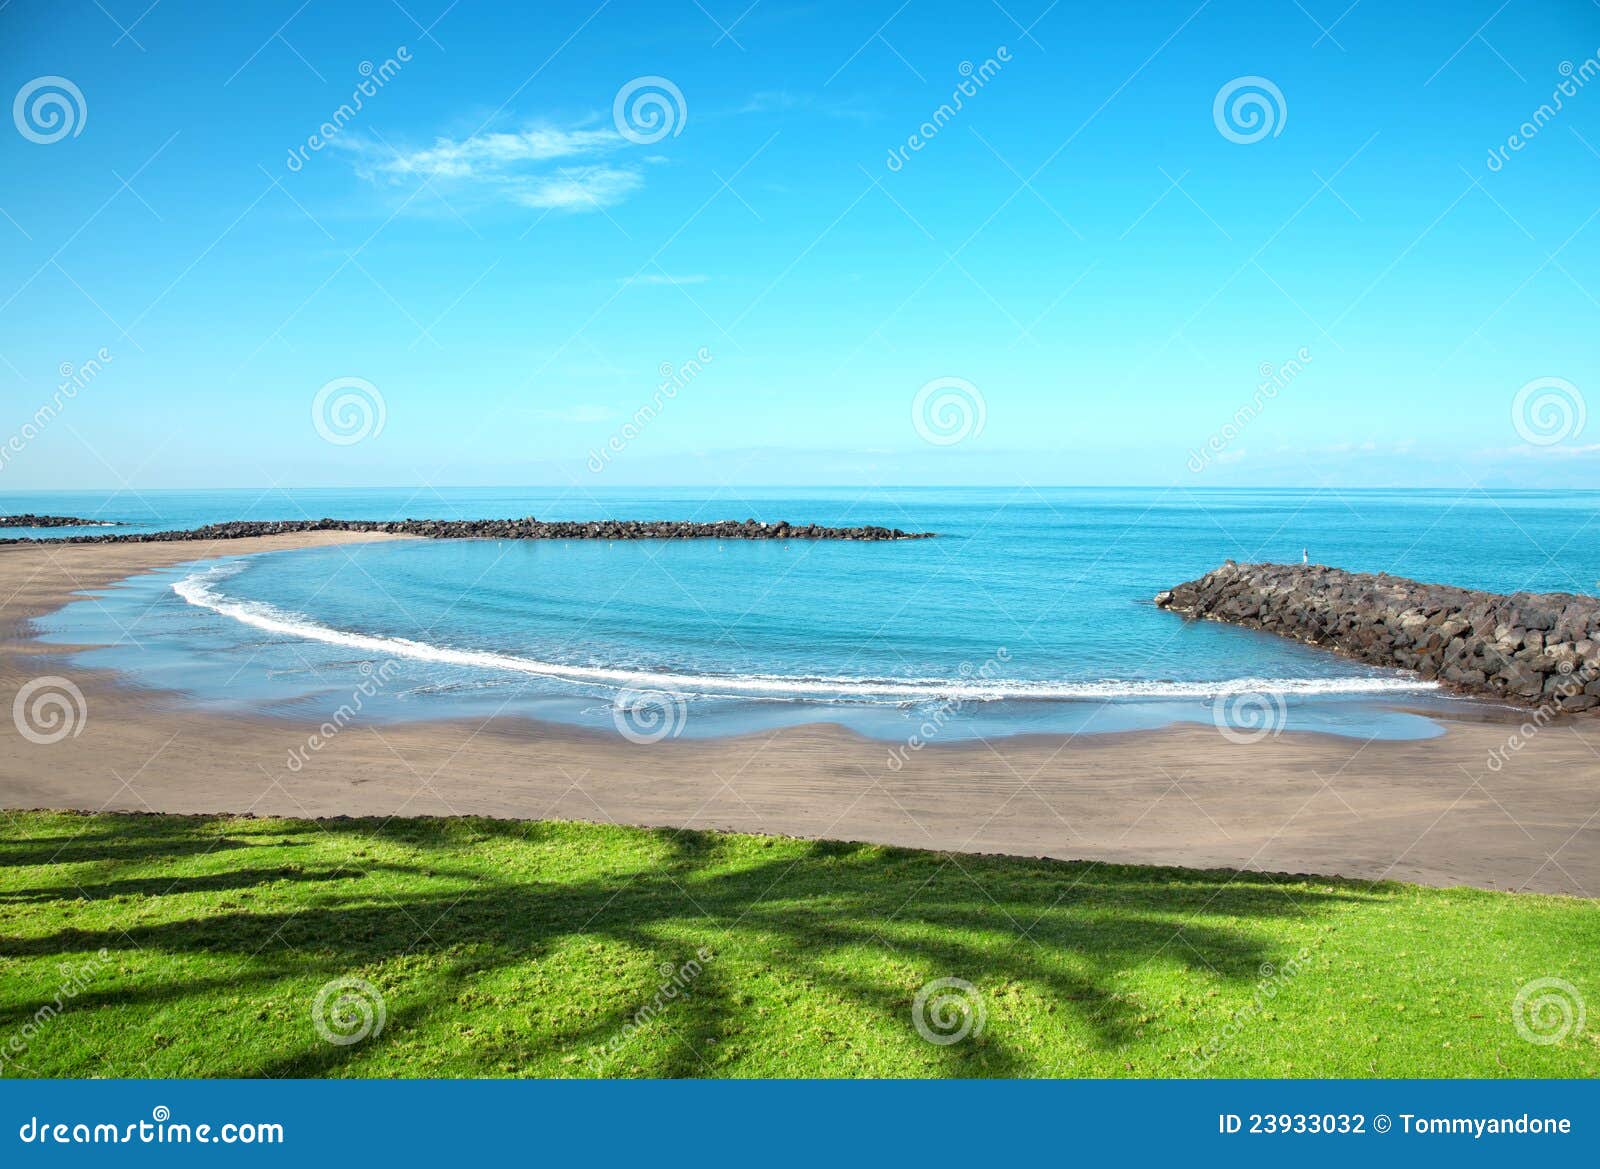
(509, 167)
(487, 154)
(582, 188)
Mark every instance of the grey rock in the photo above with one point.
(1533, 648)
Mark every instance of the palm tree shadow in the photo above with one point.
(233, 879)
(1066, 930)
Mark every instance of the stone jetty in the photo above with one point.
(1532, 649)
(523, 529)
(29, 520)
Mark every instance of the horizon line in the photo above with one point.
(126, 490)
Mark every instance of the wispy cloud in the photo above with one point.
(580, 413)
(549, 167)
(578, 188)
(782, 101)
(1556, 451)
(666, 278)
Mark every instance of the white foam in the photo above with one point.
(199, 589)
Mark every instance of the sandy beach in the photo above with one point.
(1429, 811)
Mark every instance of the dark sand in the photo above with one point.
(1430, 812)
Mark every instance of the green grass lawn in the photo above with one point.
(503, 948)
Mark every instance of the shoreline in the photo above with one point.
(1427, 811)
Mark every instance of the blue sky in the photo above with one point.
(1084, 256)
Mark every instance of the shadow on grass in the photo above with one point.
(177, 886)
(826, 914)
(69, 850)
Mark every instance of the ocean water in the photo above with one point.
(1030, 613)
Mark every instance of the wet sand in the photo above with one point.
(1430, 811)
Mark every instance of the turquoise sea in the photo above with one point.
(1029, 613)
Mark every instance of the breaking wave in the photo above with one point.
(200, 590)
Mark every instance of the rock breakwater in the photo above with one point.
(1533, 649)
(29, 520)
(523, 529)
